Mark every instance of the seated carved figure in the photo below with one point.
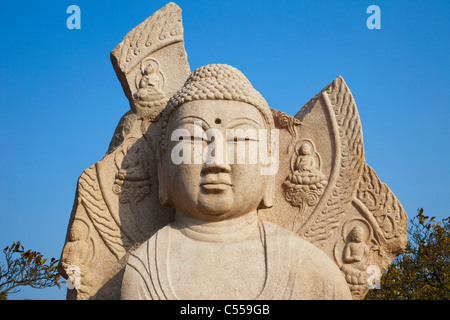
(306, 168)
(355, 251)
(305, 162)
(218, 247)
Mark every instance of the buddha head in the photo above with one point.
(214, 115)
(305, 149)
(356, 234)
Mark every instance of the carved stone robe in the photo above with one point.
(295, 269)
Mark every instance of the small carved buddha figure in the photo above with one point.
(150, 83)
(306, 168)
(218, 247)
(355, 249)
(77, 251)
(305, 162)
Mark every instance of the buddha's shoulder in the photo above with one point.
(142, 250)
(288, 237)
(296, 246)
(311, 264)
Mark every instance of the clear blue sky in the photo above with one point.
(61, 101)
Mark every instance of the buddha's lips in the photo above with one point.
(214, 184)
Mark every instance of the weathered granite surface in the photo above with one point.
(308, 224)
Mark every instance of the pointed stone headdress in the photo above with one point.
(151, 61)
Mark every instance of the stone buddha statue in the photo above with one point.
(218, 247)
(206, 192)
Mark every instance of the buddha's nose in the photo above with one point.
(215, 166)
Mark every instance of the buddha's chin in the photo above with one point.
(215, 206)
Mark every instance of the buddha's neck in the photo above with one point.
(231, 230)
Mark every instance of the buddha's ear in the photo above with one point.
(163, 191)
(269, 192)
(163, 195)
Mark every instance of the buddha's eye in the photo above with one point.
(191, 138)
(242, 139)
(197, 138)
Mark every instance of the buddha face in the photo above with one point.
(213, 187)
(305, 149)
(357, 234)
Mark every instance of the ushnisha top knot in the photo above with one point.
(220, 82)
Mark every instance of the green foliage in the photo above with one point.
(422, 271)
(26, 268)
